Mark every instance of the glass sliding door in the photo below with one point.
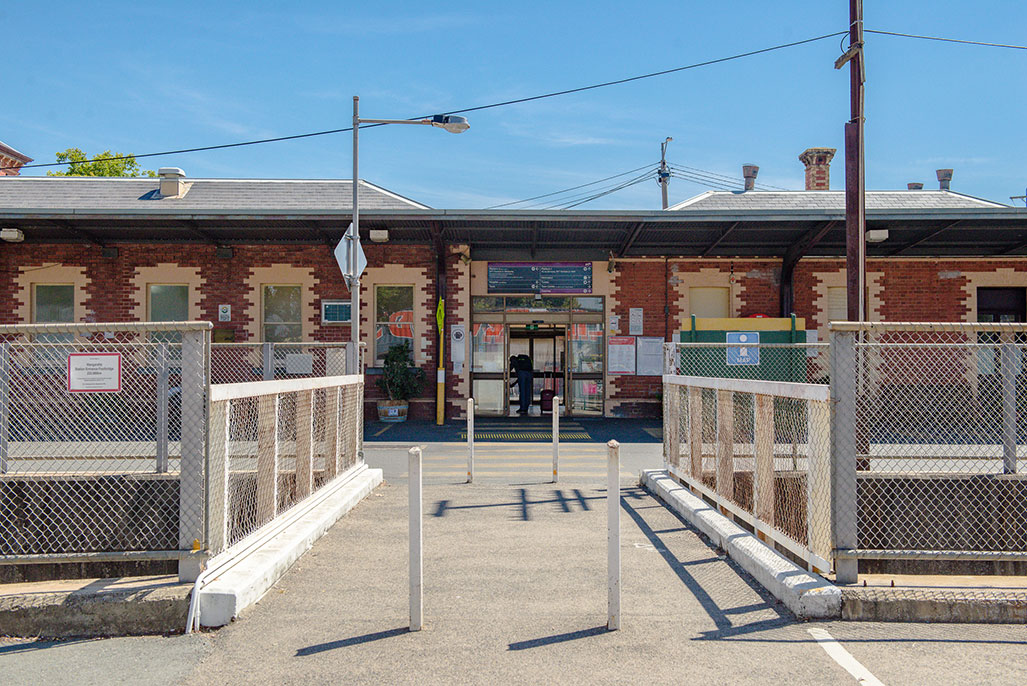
(489, 367)
(585, 369)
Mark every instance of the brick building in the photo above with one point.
(556, 285)
(11, 161)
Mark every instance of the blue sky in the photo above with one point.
(142, 77)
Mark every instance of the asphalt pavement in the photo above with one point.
(515, 592)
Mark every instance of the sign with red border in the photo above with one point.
(94, 372)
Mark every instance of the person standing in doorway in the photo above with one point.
(522, 367)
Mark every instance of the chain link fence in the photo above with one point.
(276, 443)
(794, 362)
(929, 441)
(114, 445)
(760, 450)
(102, 441)
(243, 362)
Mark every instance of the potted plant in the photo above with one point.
(401, 381)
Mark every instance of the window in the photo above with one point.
(283, 314)
(393, 319)
(1001, 304)
(710, 302)
(54, 304)
(167, 303)
(837, 304)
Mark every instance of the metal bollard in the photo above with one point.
(416, 541)
(470, 440)
(613, 534)
(556, 438)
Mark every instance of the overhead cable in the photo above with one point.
(504, 103)
(948, 40)
(572, 188)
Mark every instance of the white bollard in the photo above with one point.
(556, 438)
(470, 440)
(613, 534)
(416, 540)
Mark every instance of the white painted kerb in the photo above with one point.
(247, 581)
(807, 595)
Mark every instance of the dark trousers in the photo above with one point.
(525, 379)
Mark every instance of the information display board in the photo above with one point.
(649, 356)
(540, 277)
(94, 372)
(620, 354)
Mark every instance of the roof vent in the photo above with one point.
(749, 172)
(914, 186)
(172, 182)
(944, 179)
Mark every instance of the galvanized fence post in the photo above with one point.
(416, 541)
(5, 404)
(193, 443)
(218, 469)
(163, 375)
(1008, 371)
(613, 613)
(268, 357)
(470, 440)
(844, 383)
(672, 424)
(556, 438)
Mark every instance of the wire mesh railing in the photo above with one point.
(761, 451)
(276, 443)
(102, 440)
(244, 362)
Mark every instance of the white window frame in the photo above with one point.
(413, 322)
(263, 313)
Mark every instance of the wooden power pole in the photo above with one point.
(855, 207)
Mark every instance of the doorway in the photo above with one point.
(547, 348)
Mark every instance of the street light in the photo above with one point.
(448, 122)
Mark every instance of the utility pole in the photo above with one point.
(664, 175)
(855, 207)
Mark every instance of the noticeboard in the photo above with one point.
(94, 372)
(620, 354)
(540, 277)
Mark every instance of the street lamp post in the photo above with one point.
(449, 122)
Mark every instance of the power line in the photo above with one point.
(733, 180)
(573, 188)
(504, 103)
(947, 40)
(595, 192)
(716, 185)
(612, 190)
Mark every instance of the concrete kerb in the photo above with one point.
(246, 581)
(807, 595)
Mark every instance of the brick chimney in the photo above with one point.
(749, 172)
(11, 160)
(818, 168)
(944, 179)
(914, 186)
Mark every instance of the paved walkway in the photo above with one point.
(515, 592)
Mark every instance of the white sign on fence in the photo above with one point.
(94, 372)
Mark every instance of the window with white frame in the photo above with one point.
(393, 319)
(282, 312)
(167, 303)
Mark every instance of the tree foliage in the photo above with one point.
(105, 163)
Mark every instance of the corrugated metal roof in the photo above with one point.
(762, 201)
(245, 195)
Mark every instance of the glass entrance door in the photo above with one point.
(546, 347)
(585, 369)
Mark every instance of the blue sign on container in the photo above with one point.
(747, 352)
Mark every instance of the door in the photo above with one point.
(546, 345)
(586, 363)
(489, 368)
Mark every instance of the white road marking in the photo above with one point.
(844, 658)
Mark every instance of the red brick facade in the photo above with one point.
(899, 290)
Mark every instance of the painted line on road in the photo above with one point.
(844, 658)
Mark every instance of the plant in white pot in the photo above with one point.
(401, 381)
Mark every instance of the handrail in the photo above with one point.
(253, 389)
(781, 389)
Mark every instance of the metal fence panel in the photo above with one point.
(102, 439)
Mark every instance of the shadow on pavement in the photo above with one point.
(725, 628)
(558, 638)
(355, 640)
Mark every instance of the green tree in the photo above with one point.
(105, 163)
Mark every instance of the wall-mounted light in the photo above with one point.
(12, 235)
(379, 235)
(877, 235)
